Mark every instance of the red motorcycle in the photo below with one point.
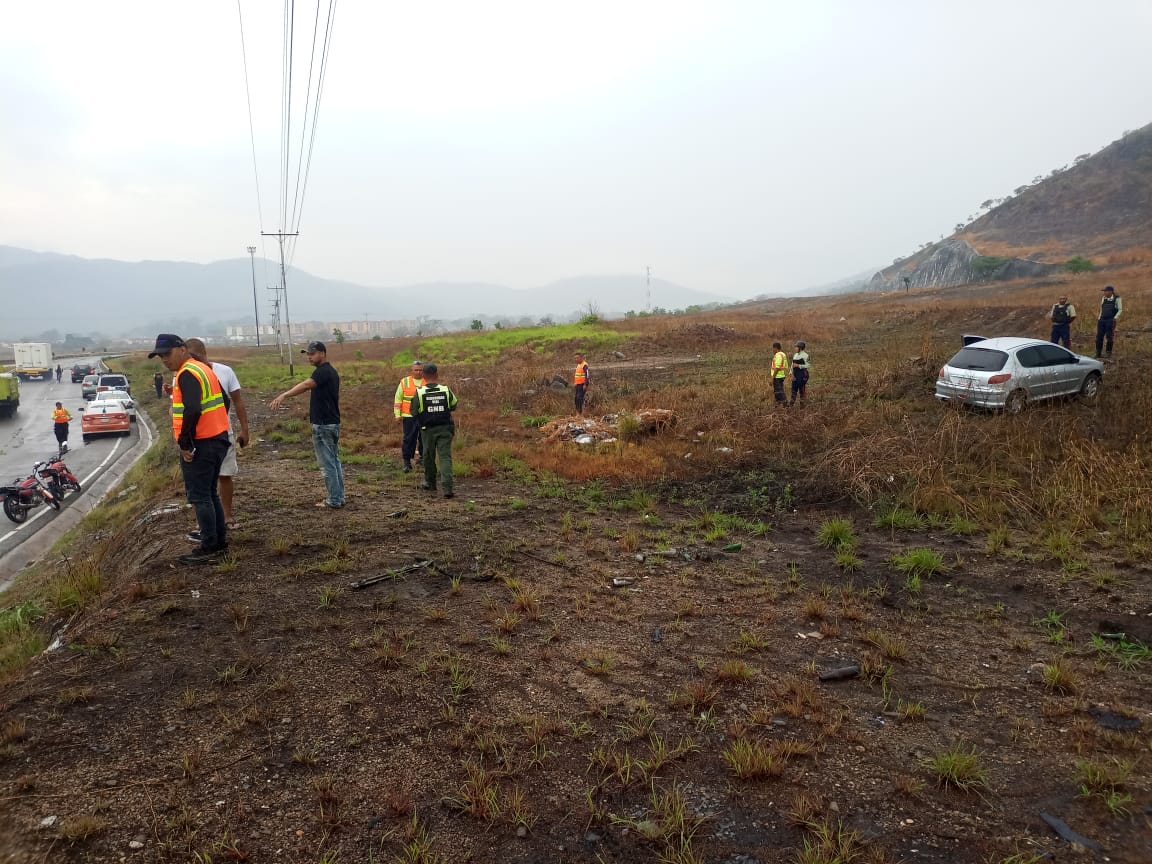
(23, 495)
(59, 479)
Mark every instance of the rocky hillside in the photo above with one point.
(1098, 206)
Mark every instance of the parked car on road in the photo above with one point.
(113, 381)
(1009, 372)
(79, 370)
(88, 386)
(125, 399)
(105, 417)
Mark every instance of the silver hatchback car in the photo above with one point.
(1008, 372)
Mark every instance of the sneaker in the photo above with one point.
(449, 494)
(407, 467)
(427, 487)
(201, 556)
(192, 536)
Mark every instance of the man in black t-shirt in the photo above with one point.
(324, 414)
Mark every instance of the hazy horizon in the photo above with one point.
(740, 148)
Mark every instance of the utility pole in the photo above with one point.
(255, 307)
(280, 235)
(649, 288)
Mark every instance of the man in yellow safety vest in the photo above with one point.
(410, 443)
(779, 373)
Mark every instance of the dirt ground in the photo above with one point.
(572, 681)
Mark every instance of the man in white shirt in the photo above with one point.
(230, 384)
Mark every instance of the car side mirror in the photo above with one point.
(1075, 359)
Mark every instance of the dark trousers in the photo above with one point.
(1062, 333)
(1105, 331)
(778, 390)
(200, 476)
(410, 443)
(61, 432)
(578, 392)
(437, 441)
(799, 383)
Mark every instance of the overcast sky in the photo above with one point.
(736, 147)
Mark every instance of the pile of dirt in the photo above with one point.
(586, 430)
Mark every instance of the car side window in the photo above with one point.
(1054, 355)
(1029, 357)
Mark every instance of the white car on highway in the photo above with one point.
(125, 399)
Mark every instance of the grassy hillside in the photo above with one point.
(621, 652)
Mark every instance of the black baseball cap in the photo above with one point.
(165, 342)
(313, 347)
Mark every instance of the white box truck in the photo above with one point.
(33, 360)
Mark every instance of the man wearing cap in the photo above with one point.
(433, 406)
(1110, 308)
(324, 414)
(200, 426)
(406, 389)
(230, 384)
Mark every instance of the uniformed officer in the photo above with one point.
(432, 406)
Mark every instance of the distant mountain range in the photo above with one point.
(41, 291)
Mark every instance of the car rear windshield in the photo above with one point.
(979, 359)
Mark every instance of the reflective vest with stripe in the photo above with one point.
(61, 415)
(581, 376)
(404, 393)
(213, 413)
(779, 364)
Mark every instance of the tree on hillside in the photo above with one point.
(477, 324)
(1079, 264)
(339, 335)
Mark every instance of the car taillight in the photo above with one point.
(999, 379)
(941, 375)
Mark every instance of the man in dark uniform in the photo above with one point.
(1110, 308)
(1062, 315)
(432, 406)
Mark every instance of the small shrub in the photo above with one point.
(958, 767)
(751, 760)
(920, 563)
(836, 533)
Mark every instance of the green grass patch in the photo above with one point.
(487, 345)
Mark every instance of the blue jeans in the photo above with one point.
(1062, 332)
(200, 476)
(326, 443)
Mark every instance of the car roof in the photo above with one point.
(93, 376)
(1006, 343)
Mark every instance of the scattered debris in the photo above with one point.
(584, 430)
(1111, 720)
(841, 674)
(48, 821)
(390, 575)
(657, 634)
(1061, 828)
(397, 514)
(733, 547)
(620, 582)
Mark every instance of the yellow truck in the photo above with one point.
(9, 393)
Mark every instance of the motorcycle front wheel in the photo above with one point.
(53, 502)
(14, 510)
